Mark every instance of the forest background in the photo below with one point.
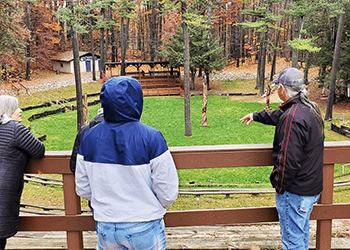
(201, 35)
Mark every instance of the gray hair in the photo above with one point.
(8, 105)
(304, 97)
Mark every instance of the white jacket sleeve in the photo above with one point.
(82, 182)
(165, 181)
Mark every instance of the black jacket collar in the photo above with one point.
(291, 101)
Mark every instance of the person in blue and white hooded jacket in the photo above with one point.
(125, 169)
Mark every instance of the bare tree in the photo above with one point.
(334, 70)
(92, 50)
(102, 45)
(273, 67)
(77, 76)
(153, 30)
(29, 26)
(187, 98)
(124, 30)
(298, 26)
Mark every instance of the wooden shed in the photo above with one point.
(64, 62)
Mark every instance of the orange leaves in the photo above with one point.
(171, 20)
(55, 40)
(228, 11)
(54, 26)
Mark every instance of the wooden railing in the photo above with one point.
(194, 158)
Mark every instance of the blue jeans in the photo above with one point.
(294, 214)
(148, 235)
(96, 223)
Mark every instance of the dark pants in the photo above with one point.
(2, 244)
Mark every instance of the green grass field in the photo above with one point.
(167, 115)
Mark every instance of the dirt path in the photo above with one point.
(44, 77)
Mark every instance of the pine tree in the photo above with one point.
(202, 55)
(317, 35)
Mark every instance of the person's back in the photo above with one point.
(123, 166)
(17, 146)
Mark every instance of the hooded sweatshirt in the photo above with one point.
(124, 167)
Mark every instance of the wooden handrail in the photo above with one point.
(217, 156)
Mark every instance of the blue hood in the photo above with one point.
(122, 99)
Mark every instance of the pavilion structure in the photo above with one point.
(156, 77)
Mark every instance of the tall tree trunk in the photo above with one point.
(62, 34)
(295, 52)
(143, 39)
(193, 77)
(273, 67)
(237, 32)
(124, 42)
(108, 37)
(242, 35)
(139, 31)
(102, 46)
(159, 34)
(225, 36)
(207, 73)
(77, 76)
(92, 50)
(114, 45)
(29, 26)
(122, 50)
(187, 98)
(290, 33)
(307, 67)
(263, 63)
(334, 70)
(260, 52)
(153, 30)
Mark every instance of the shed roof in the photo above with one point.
(68, 56)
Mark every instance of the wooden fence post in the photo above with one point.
(72, 207)
(324, 227)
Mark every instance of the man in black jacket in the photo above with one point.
(73, 158)
(297, 156)
(98, 119)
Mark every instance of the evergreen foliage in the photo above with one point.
(266, 19)
(306, 44)
(202, 55)
(321, 26)
(344, 62)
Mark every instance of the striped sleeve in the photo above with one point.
(290, 152)
(268, 117)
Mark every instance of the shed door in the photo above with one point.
(88, 66)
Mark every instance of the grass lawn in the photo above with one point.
(167, 115)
